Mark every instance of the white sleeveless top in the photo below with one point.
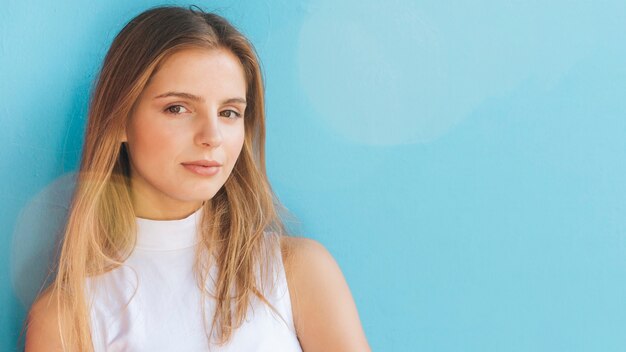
(164, 314)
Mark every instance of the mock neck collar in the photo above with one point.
(163, 235)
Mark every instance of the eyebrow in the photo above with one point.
(197, 98)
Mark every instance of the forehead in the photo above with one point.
(204, 72)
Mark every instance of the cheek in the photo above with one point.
(232, 146)
(235, 144)
(153, 144)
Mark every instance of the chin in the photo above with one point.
(198, 195)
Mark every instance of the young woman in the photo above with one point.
(174, 240)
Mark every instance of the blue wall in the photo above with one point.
(463, 162)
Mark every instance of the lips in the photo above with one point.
(203, 167)
(205, 163)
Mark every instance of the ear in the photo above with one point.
(123, 138)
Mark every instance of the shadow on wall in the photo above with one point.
(38, 237)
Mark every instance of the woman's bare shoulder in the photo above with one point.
(324, 312)
(42, 332)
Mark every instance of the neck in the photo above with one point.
(163, 210)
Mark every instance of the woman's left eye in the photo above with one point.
(174, 109)
(232, 114)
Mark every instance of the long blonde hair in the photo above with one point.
(100, 232)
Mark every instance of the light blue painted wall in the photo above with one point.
(463, 161)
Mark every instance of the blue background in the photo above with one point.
(463, 161)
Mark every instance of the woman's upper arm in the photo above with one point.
(42, 332)
(325, 315)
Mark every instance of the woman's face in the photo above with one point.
(189, 114)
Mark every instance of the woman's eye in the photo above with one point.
(175, 109)
(231, 114)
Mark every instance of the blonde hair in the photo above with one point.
(100, 232)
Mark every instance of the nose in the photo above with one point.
(209, 130)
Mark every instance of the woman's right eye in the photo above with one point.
(174, 109)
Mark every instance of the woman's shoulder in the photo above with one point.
(42, 332)
(306, 258)
(324, 312)
(294, 247)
